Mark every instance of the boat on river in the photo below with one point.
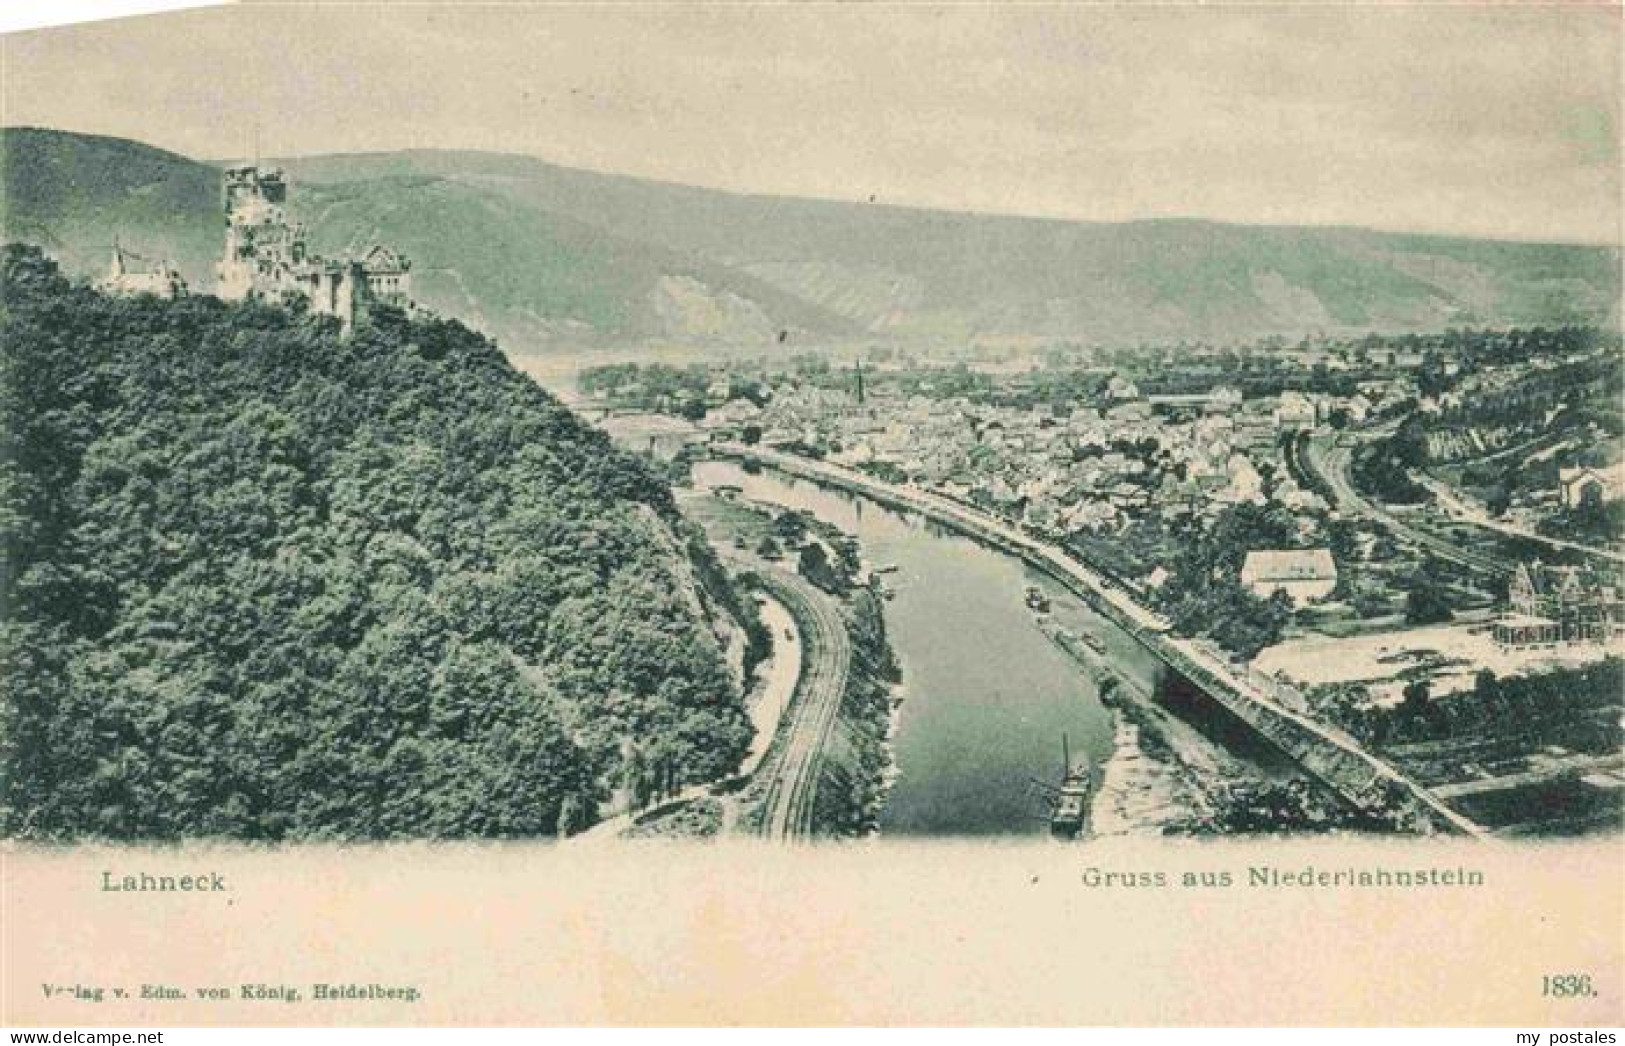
(1069, 802)
(1070, 641)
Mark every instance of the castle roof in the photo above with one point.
(1609, 477)
(384, 259)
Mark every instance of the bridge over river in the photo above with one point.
(1265, 706)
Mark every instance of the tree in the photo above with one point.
(791, 527)
(1427, 601)
(1245, 624)
(1431, 379)
(1383, 475)
(813, 564)
(1415, 697)
(1343, 540)
(1368, 604)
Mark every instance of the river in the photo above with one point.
(988, 697)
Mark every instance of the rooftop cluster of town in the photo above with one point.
(1428, 510)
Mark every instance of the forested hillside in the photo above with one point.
(261, 582)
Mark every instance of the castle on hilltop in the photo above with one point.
(266, 258)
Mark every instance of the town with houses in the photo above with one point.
(1426, 529)
(1408, 545)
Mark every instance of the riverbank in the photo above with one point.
(1139, 794)
(858, 770)
(825, 696)
(1165, 776)
(1146, 787)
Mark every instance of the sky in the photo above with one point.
(1480, 120)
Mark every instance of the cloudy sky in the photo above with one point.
(1482, 120)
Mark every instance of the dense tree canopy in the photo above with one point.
(1204, 592)
(263, 582)
(1427, 600)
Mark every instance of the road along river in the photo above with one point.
(987, 695)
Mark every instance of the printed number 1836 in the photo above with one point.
(1567, 986)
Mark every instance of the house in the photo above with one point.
(1295, 411)
(1224, 399)
(130, 273)
(1244, 483)
(1130, 410)
(1296, 498)
(1303, 574)
(1088, 514)
(387, 276)
(854, 454)
(732, 414)
(783, 436)
(1120, 388)
(1583, 486)
(1553, 604)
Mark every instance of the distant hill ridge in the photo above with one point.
(544, 256)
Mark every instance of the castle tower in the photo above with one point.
(262, 250)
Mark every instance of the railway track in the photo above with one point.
(1332, 466)
(805, 732)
